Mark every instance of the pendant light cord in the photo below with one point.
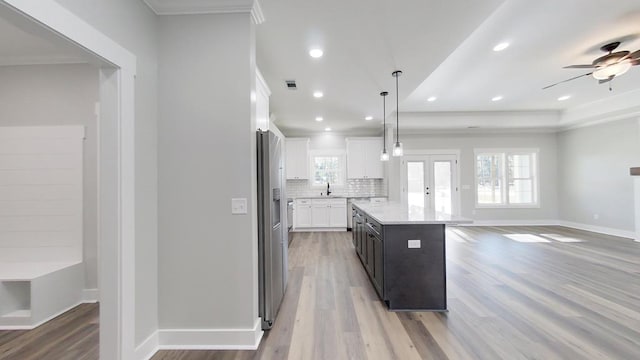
(397, 112)
(384, 122)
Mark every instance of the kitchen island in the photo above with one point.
(402, 249)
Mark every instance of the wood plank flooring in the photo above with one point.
(513, 292)
(576, 296)
(71, 336)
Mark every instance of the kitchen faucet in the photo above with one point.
(328, 190)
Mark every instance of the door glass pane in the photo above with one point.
(415, 184)
(443, 194)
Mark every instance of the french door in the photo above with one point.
(430, 182)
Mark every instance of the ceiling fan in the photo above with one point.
(607, 67)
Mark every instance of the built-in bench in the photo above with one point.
(32, 293)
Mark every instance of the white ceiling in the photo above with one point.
(23, 42)
(445, 50)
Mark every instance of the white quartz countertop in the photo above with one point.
(320, 197)
(394, 213)
(338, 197)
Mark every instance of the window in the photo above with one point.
(327, 168)
(506, 178)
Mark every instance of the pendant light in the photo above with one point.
(384, 156)
(397, 148)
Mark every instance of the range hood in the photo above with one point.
(635, 171)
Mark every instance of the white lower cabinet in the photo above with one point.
(321, 213)
(338, 215)
(302, 213)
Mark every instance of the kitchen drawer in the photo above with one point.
(373, 225)
(320, 201)
(303, 201)
(378, 200)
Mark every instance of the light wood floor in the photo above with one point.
(507, 300)
(71, 336)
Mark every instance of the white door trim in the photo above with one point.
(117, 179)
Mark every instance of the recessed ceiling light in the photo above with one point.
(496, 98)
(432, 99)
(565, 97)
(369, 118)
(501, 46)
(316, 53)
(319, 118)
(318, 94)
(327, 129)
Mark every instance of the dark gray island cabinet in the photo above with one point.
(403, 251)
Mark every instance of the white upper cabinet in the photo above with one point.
(297, 159)
(363, 158)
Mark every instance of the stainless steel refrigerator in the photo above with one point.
(272, 246)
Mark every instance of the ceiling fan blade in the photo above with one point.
(579, 67)
(635, 62)
(634, 55)
(564, 81)
(606, 80)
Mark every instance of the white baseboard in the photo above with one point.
(211, 339)
(31, 327)
(599, 229)
(315, 229)
(511, 223)
(148, 347)
(90, 295)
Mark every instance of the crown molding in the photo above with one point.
(196, 7)
(39, 60)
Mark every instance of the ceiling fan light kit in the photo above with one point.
(612, 70)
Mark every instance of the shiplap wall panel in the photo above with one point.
(37, 161)
(38, 177)
(41, 193)
(36, 146)
(36, 208)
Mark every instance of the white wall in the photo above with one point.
(47, 95)
(594, 175)
(134, 26)
(207, 156)
(466, 143)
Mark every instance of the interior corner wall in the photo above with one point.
(207, 156)
(466, 143)
(52, 95)
(134, 26)
(595, 187)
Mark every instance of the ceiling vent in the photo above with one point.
(291, 84)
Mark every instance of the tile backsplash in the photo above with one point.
(353, 188)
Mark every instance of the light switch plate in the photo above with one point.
(414, 244)
(239, 206)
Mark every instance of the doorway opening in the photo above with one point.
(63, 38)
